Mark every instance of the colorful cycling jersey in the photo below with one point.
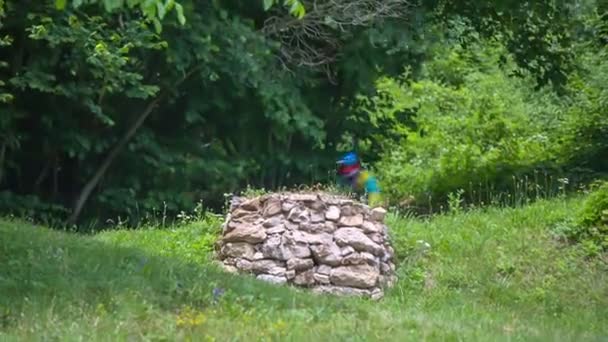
(365, 181)
(368, 182)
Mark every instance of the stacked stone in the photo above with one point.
(323, 242)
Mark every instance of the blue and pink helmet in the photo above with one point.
(349, 164)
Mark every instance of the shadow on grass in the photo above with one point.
(43, 267)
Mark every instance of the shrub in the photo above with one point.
(584, 131)
(591, 226)
(467, 123)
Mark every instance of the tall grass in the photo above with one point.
(518, 192)
(481, 274)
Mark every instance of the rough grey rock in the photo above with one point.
(276, 229)
(272, 279)
(244, 265)
(299, 215)
(321, 278)
(355, 238)
(305, 278)
(268, 266)
(378, 214)
(287, 206)
(272, 207)
(251, 205)
(341, 291)
(238, 250)
(359, 276)
(273, 221)
(316, 217)
(333, 213)
(313, 239)
(330, 244)
(346, 250)
(272, 249)
(351, 221)
(327, 254)
(377, 294)
(246, 233)
(369, 227)
(323, 269)
(299, 264)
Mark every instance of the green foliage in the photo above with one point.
(585, 128)
(32, 208)
(93, 75)
(462, 122)
(440, 257)
(539, 35)
(192, 238)
(5, 40)
(154, 10)
(160, 284)
(296, 8)
(594, 210)
(211, 104)
(590, 227)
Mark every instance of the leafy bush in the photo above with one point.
(585, 127)
(592, 220)
(32, 208)
(464, 123)
(192, 239)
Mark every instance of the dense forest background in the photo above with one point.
(151, 107)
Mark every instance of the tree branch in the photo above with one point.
(315, 40)
(88, 188)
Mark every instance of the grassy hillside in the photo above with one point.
(494, 274)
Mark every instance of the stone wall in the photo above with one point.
(327, 243)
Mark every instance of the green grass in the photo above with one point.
(489, 275)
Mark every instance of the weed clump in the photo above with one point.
(591, 225)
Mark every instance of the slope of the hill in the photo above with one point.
(494, 274)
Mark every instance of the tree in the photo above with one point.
(113, 108)
(93, 68)
(154, 10)
(317, 40)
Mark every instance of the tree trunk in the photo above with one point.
(43, 174)
(2, 156)
(86, 191)
(101, 171)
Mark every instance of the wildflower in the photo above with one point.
(190, 318)
(217, 293)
